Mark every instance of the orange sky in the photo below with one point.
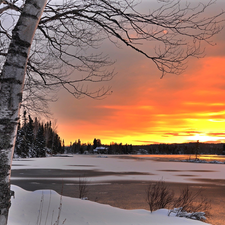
(146, 109)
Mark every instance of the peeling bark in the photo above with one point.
(11, 88)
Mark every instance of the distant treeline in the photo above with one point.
(96, 147)
(36, 139)
(186, 148)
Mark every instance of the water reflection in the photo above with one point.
(220, 158)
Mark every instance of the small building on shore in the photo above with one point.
(100, 150)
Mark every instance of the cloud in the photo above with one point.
(146, 142)
(216, 134)
(160, 109)
(182, 133)
(146, 109)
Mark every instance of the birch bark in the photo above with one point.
(11, 88)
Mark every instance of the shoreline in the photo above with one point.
(128, 194)
(121, 183)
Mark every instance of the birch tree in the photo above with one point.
(12, 82)
(45, 44)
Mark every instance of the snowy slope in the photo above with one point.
(27, 209)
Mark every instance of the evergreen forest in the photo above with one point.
(36, 139)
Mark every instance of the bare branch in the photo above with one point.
(179, 29)
(9, 5)
(66, 48)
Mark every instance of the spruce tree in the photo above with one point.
(34, 139)
(21, 147)
(39, 144)
(57, 147)
(63, 147)
(29, 134)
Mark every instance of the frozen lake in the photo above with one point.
(121, 180)
(107, 168)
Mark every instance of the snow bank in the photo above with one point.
(42, 207)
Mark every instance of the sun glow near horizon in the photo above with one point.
(148, 110)
(205, 138)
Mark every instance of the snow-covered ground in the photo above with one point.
(27, 207)
(154, 170)
(42, 207)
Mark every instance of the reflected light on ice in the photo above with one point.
(220, 158)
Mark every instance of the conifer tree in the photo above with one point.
(29, 135)
(39, 145)
(57, 147)
(63, 147)
(95, 143)
(34, 139)
(21, 148)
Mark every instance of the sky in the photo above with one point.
(144, 109)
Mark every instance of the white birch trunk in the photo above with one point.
(11, 88)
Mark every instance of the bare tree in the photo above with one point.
(190, 201)
(83, 188)
(65, 47)
(66, 37)
(159, 196)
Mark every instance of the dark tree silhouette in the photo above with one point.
(65, 38)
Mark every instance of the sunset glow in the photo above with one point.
(176, 109)
(144, 109)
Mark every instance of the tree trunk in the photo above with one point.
(11, 88)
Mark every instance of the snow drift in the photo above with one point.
(46, 207)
